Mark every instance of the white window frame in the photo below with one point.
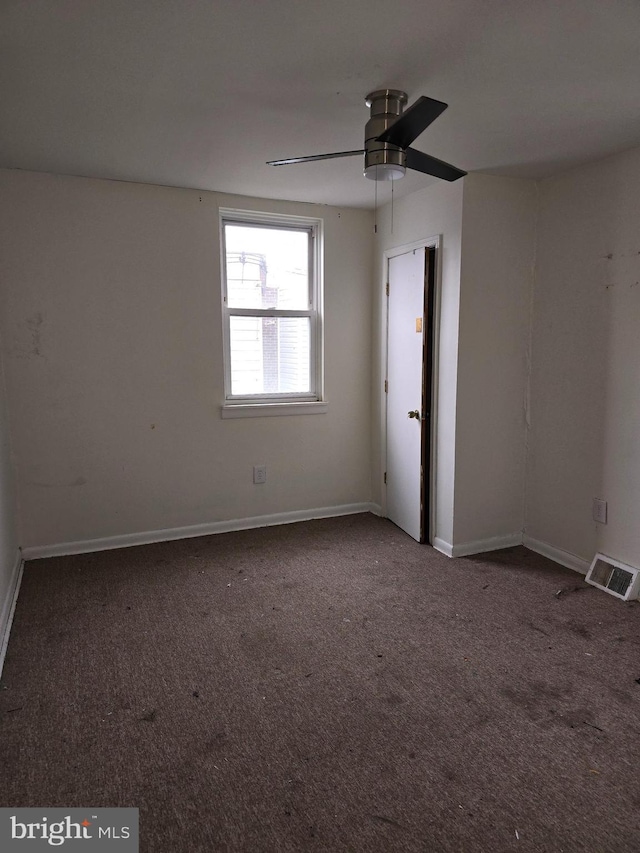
(260, 405)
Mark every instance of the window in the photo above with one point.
(271, 307)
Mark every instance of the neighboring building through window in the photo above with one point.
(271, 305)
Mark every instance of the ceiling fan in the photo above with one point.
(387, 137)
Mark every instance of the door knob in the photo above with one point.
(415, 414)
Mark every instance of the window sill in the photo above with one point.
(270, 410)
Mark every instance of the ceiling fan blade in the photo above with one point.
(314, 157)
(412, 122)
(431, 166)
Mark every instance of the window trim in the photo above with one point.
(256, 405)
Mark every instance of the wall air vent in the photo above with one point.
(614, 577)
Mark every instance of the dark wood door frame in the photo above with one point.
(427, 393)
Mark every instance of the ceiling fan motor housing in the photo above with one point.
(388, 136)
(383, 161)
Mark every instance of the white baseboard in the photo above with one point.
(565, 558)
(466, 549)
(481, 546)
(127, 540)
(9, 607)
(444, 547)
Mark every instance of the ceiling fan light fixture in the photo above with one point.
(388, 136)
(385, 172)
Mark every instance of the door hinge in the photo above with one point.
(387, 288)
(386, 387)
(385, 476)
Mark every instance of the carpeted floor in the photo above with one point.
(328, 686)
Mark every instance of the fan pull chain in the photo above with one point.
(375, 203)
(392, 183)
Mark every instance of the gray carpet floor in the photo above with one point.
(326, 686)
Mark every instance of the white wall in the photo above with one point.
(488, 244)
(111, 329)
(436, 210)
(9, 553)
(498, 252)
(585, 393)
(111, 322)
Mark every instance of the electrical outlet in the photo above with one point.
(259, 474)
(599, 511)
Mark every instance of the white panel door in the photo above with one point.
(404, 390)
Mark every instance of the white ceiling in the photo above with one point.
(200, 94)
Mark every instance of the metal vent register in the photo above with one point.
(614, 577)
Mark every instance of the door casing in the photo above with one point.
(430, 366)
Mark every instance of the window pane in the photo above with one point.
(270, 355)
(266, 267)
